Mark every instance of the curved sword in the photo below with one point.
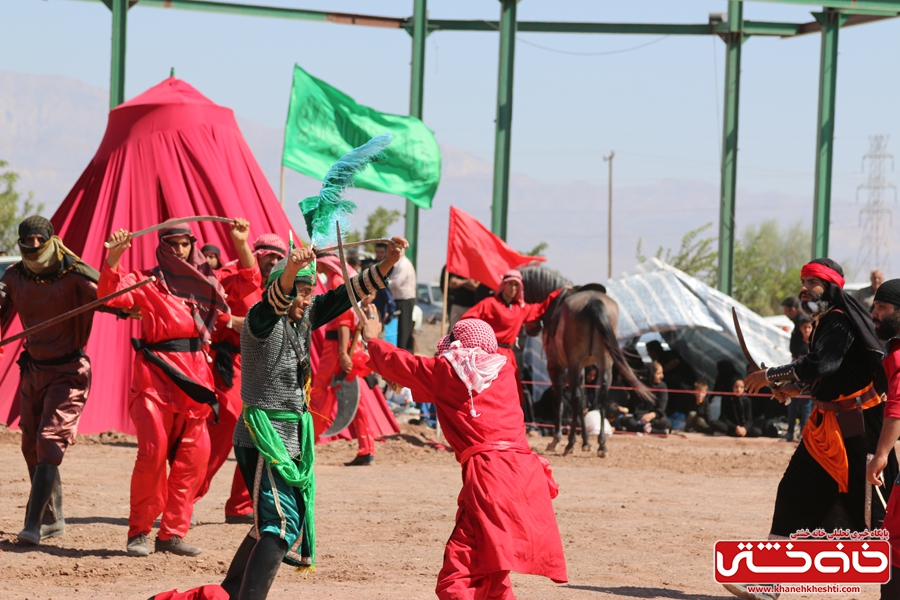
(347, 284)
(170, 222)
(740, 337)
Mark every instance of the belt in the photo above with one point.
(26, 358)
(195, 391)
(501, 446)
(845, 403)
(224, 361)
(507, 346)
(331, 335)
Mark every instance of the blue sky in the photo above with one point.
(657, 106)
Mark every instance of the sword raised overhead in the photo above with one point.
(171, 222)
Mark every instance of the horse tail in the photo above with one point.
(595, 311)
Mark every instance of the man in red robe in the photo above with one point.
(242, 281)
(172, 389)
(506, 313)
(335, 358)
(886, 316)
(505, 520)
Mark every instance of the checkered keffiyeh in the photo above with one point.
(269, 243)
(471, 348)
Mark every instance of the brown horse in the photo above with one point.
(579, 330)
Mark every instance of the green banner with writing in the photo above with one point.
(324, 123)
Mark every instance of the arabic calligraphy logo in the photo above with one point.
(803, 561)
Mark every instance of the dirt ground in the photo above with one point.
(638, 524)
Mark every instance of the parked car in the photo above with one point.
(430, 301)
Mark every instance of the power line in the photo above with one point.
(876, 216)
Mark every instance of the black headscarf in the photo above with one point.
(889, 292)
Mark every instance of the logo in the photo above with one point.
(803, 561)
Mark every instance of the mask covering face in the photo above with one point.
(814, 306)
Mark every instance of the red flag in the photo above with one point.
(475, 252)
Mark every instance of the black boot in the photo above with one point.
(235, 575)
(262, 567)
(41, 490)
(54, 523)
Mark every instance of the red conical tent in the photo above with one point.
(167, 153)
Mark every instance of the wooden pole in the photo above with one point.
(445, 313)
(281, 188)
(609, 251)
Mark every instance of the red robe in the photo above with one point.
(891, 364)
(505, 520)
(243, 290)
(507, 320)
(171, 427)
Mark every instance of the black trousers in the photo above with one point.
(405, 323)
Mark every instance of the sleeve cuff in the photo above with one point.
(784, 373)
(279, 301)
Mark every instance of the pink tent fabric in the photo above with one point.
(167, 153)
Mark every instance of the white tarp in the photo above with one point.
(694, 318)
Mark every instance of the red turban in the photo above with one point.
(823, 272)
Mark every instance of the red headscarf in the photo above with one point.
(819, 270)
(269, 243)
(471, 349)
(512, 275)
(191, 280)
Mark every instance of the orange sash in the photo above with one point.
(825, 442)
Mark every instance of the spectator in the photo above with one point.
(464, 293)
(591, 394)
(679, 375)
(726, 373)
(213, 256)
(698, 418)
(736, 418)
(649, 416)
(400, 402)
(403, 289)
(799, 408)
(791, 308)
(866, 295)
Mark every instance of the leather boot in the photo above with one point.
(262, 567)
(54, 523)
(235, 575)
(41, 490)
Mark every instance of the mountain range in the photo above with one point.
(50, 127)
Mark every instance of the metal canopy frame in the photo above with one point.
(734, 32)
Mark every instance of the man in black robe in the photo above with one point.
(824, 485)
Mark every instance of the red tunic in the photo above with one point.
(243, 289)
(891, 364)
(163, 317)
(507, 320)
(506, 495)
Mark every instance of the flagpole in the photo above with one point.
(445, 313)
(281, 188)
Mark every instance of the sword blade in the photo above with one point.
(740, 337)
(75, 312)
(350, 293)
(355, 244)
(171, 222)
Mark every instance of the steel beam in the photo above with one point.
(733, 42)
(850, 5)
(831, 21)
(117, 60)
(503, 138)
(750, 27)
(416, 103)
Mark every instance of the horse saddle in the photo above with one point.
(552, 316)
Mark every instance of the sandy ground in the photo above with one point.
(638, 524)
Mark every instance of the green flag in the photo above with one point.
(323, 124)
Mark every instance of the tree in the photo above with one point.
(537, 250)
(10, 215)
(377, 224)
(696, 256)
(767, 263)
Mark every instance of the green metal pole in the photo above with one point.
(117, 66)
(831, 22)
(416, 102)
(503, 139)
(733, 42)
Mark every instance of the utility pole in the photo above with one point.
(609, 159)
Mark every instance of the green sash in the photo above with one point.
(298, 474)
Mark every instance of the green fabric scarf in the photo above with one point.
(273, 451)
